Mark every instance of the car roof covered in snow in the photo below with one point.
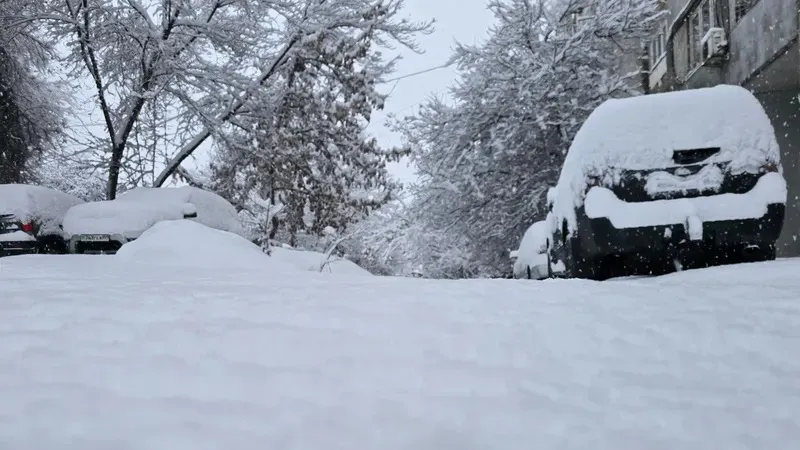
(138, 209)
(643, 131)
(212, 210)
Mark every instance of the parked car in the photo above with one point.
(530, 260)
(31, 218)
(105, 226)
(680, 179)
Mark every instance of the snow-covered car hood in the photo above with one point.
(128, 218)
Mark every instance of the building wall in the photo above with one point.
(783, 109)
(765, 58)
(760, 35)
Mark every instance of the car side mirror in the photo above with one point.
(189, 211)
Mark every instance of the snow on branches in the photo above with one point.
(168, 75)
(487, 158)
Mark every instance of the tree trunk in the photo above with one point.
(113, 171)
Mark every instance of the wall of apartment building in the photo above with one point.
(762, 40)
(680, 51)
(763, 43)
(783, 108)
(762, 34)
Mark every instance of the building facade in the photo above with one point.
(752, 43)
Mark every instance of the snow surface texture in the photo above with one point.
(770, 189)
(648, 129)
(137, 210)
(35, 203)
(532, 251)
(316, 262)
(98, 355)
(188, 245)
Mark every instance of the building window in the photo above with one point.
(700, 21)
(741, 8)
(658, 45)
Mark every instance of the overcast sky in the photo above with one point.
(465, 21)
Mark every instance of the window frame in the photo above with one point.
(658, 45)
(701, 19)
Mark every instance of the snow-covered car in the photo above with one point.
(530, 260)
(689, 178)
(103, 227)
(31, 218)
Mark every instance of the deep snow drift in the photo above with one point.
(123, 356)
(187, 245)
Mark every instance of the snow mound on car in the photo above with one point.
(212, 210)
(186, 243)
(113, 216)
(36, 203)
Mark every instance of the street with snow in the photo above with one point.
(219, 346)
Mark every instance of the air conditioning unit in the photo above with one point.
(714, 44)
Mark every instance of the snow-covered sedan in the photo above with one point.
(530, 260)
(103, 227)
(690, 178)
(31, 218)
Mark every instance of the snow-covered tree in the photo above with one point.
(309, 151)
(486, 158)
(170, 74)
(29, 107)
(72, 177)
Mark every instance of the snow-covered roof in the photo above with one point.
(36, 203)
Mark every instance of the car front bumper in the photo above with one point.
(87, 244)
(13, 248)
(599, 236)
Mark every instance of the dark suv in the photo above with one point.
(662, 182)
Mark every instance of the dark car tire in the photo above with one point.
(580, 265)
(766, 252)
(52, 245)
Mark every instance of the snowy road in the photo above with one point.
(97, 355)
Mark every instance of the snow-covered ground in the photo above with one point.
(98, 352)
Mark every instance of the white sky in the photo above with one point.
(465, 21)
